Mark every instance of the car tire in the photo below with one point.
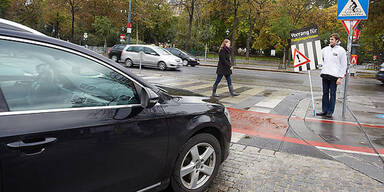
(194, 171)
(128, 63)
(185, 62)
(114, 58)
(193, 65)
(162, 66)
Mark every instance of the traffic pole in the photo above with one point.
(349, 48)
(313, 101)
(129, 21)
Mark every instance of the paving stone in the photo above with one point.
(267, 152)
(248, 170)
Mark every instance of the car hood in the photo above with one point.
(187, 96)
(191, 56)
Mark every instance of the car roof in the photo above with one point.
(10, 25)
(23, 32)
(135, 45)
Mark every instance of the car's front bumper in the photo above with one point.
(174, 65)
(193, 62)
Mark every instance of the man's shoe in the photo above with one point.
(329, 116)
(321, 114)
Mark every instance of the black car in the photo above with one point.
(114, 52)
(188, 59)
(73, 120)
(380, 74)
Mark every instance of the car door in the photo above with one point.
(136, 54)
(69, 122)
(150, 57)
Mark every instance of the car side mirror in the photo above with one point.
(148, 98)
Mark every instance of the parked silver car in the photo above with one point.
(150, 56)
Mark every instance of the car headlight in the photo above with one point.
(382, 69)
(192, 59)
(226, 113)
(177, 60)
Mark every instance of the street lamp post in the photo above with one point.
(129, 22)
(382, 50)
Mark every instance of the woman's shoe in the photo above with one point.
(214, 91)
(232, 92)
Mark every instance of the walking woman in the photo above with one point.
(224, 68)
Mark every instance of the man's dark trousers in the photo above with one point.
(329, 96)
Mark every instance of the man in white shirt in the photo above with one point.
(334, 69)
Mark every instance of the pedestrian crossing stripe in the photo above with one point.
(150, 77)
(180, 83)
(268, 103)
(273, 100)
(220, 90)
(312, 50)
(307, 41)
(243, 95)
(201, 86)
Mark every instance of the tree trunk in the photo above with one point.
(105, 45)
(73, 24)
(57, 26)
(187, 44)
(284, 58)
(234, 27)
(375, 62)
(289, 57)
(137, 33)
(251, 24)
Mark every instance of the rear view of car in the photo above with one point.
(114, 52)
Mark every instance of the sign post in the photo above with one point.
(349, 47)
(300, 59)
(306, 53)
(350, 12)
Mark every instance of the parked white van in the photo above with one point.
(150, 56)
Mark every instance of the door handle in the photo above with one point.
(31, 145)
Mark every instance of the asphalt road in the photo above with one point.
(298, 86)
(294, 81)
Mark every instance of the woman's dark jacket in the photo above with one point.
(224, 65)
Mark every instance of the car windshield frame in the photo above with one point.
(161, 51)
(184, 52)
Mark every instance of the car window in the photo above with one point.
(45, 78)
(148, 50)
(183, 53)
(121, 47)
(137, 49)
(172, 51)
(161, 51)
(130, 49)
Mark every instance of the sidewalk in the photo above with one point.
(253, 169)
(366, 109)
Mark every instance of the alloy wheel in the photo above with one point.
(197, 166)
(128, 63)
(114, 58)
(162, 66)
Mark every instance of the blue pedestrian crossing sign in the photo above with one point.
(352, 9)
